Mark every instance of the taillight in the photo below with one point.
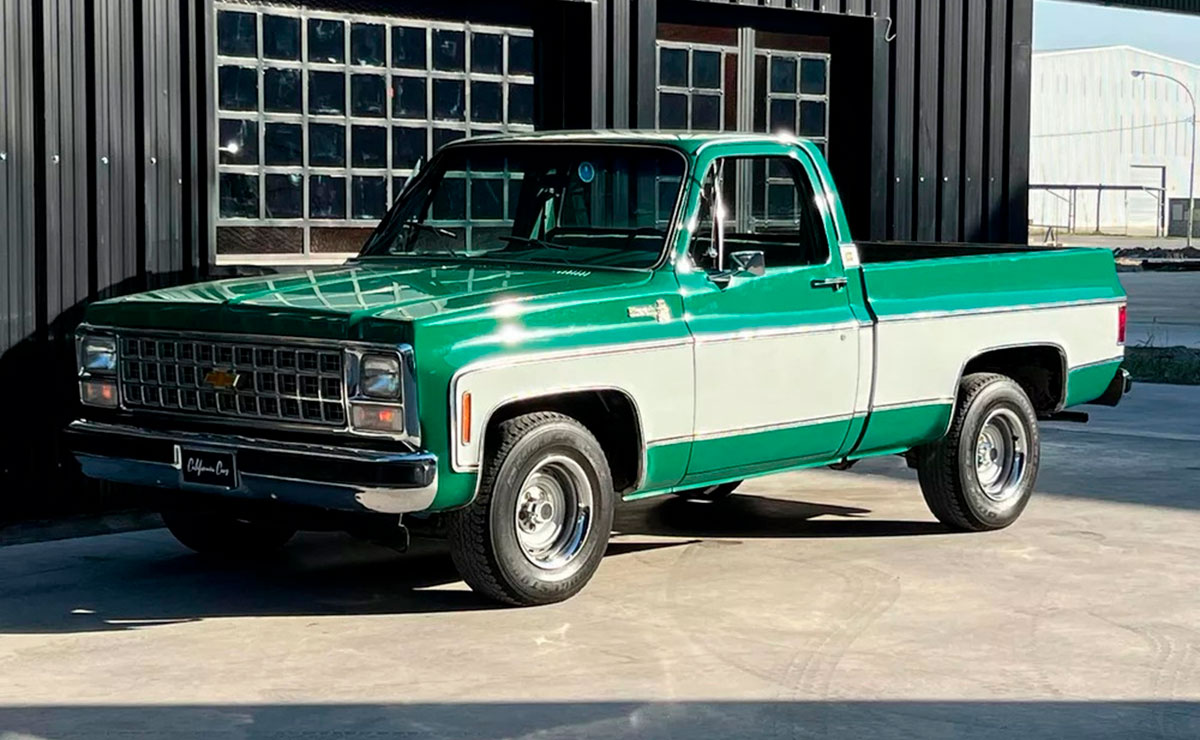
(1121, 324)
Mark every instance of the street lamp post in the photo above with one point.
(1139, 73)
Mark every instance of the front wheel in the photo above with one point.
(981, 474)
(538, 528)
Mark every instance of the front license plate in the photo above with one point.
(208, 467)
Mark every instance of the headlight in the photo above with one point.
(98, 355)
(380, 376)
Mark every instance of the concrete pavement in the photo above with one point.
(814, 604)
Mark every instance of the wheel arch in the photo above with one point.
(1040, 368)
(608, 412)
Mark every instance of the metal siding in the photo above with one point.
(928, 87)
(1021, 31)
(952, 94)
(17, 241)
(995, 121)
(904, 43)
(974, 58)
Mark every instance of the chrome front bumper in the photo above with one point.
(317, 475)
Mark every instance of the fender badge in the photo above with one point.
(218, 378)
(659, 311)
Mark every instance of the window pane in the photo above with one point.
(443, 136)
(487, 199)
(326, 40)
(812, 76)
(672, 67)
(326, 92)
(327, 145)
(520, 55)
(237, 88)
(408, 97)
(706, 69)
(706, 113)
(812, 118)
(284, 196)
(408, 47)
(236, 34)
(487, 53)
(281, 37)
(450, 200)
(514, 198)
(781, 202)
(368, 196)
(368, 94)
(486, 104)
(281, 90)
(239, 196)
(783, 116)
(239, 142)
(448, 99)
(368, 146)
(407, 145)
(326, 197)
(672, 111)
(283, 144)
(783, 75)
(520, 103)
(367, 43)
(448, 52)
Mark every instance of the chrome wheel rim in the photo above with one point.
(553, 515)
(1001, 452)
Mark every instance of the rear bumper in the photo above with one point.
(1121, 384)
(322, 476)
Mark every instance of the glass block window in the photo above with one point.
(795, 94)
(692, 89)
(321, 116)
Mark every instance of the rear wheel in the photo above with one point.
(710, 493)
(981, 474)
(538, 528)
(226, 534)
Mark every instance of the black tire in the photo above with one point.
(484, 541)
(948, 469)
(225, 534)
(710, 493)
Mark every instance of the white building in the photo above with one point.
(1093, 124)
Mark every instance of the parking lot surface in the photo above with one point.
(816, 603)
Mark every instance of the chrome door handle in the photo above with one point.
(836, 283)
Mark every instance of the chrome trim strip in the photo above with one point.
(997, 309)
(1118, 358)
(758, 428)
(780, 331)
(669, 440)
(941, 401)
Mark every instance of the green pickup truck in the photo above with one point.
(544, 324)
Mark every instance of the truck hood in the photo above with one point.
(347, 302)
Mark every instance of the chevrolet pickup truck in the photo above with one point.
(546, 324)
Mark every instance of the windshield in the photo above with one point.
(587, 205)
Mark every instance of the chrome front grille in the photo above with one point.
(232, 379)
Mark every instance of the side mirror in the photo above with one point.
(750, 263)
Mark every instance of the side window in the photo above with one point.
(769, 207)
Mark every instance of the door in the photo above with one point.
(776, 354)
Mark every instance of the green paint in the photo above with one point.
(1089, 383)
(455, 313)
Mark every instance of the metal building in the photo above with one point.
(161, 141)
(1110, 142)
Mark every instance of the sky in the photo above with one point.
(1070, 25)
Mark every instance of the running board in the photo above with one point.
(1078, 417)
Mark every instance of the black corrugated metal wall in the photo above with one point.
(95, 117)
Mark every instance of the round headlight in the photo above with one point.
(380, 376)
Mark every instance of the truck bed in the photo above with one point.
(898, 251)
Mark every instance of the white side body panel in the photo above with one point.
(921, 357)
(657, 376)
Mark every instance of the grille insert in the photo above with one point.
(233, 379)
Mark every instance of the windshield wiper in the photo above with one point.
(416, 226)
(534, 242)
